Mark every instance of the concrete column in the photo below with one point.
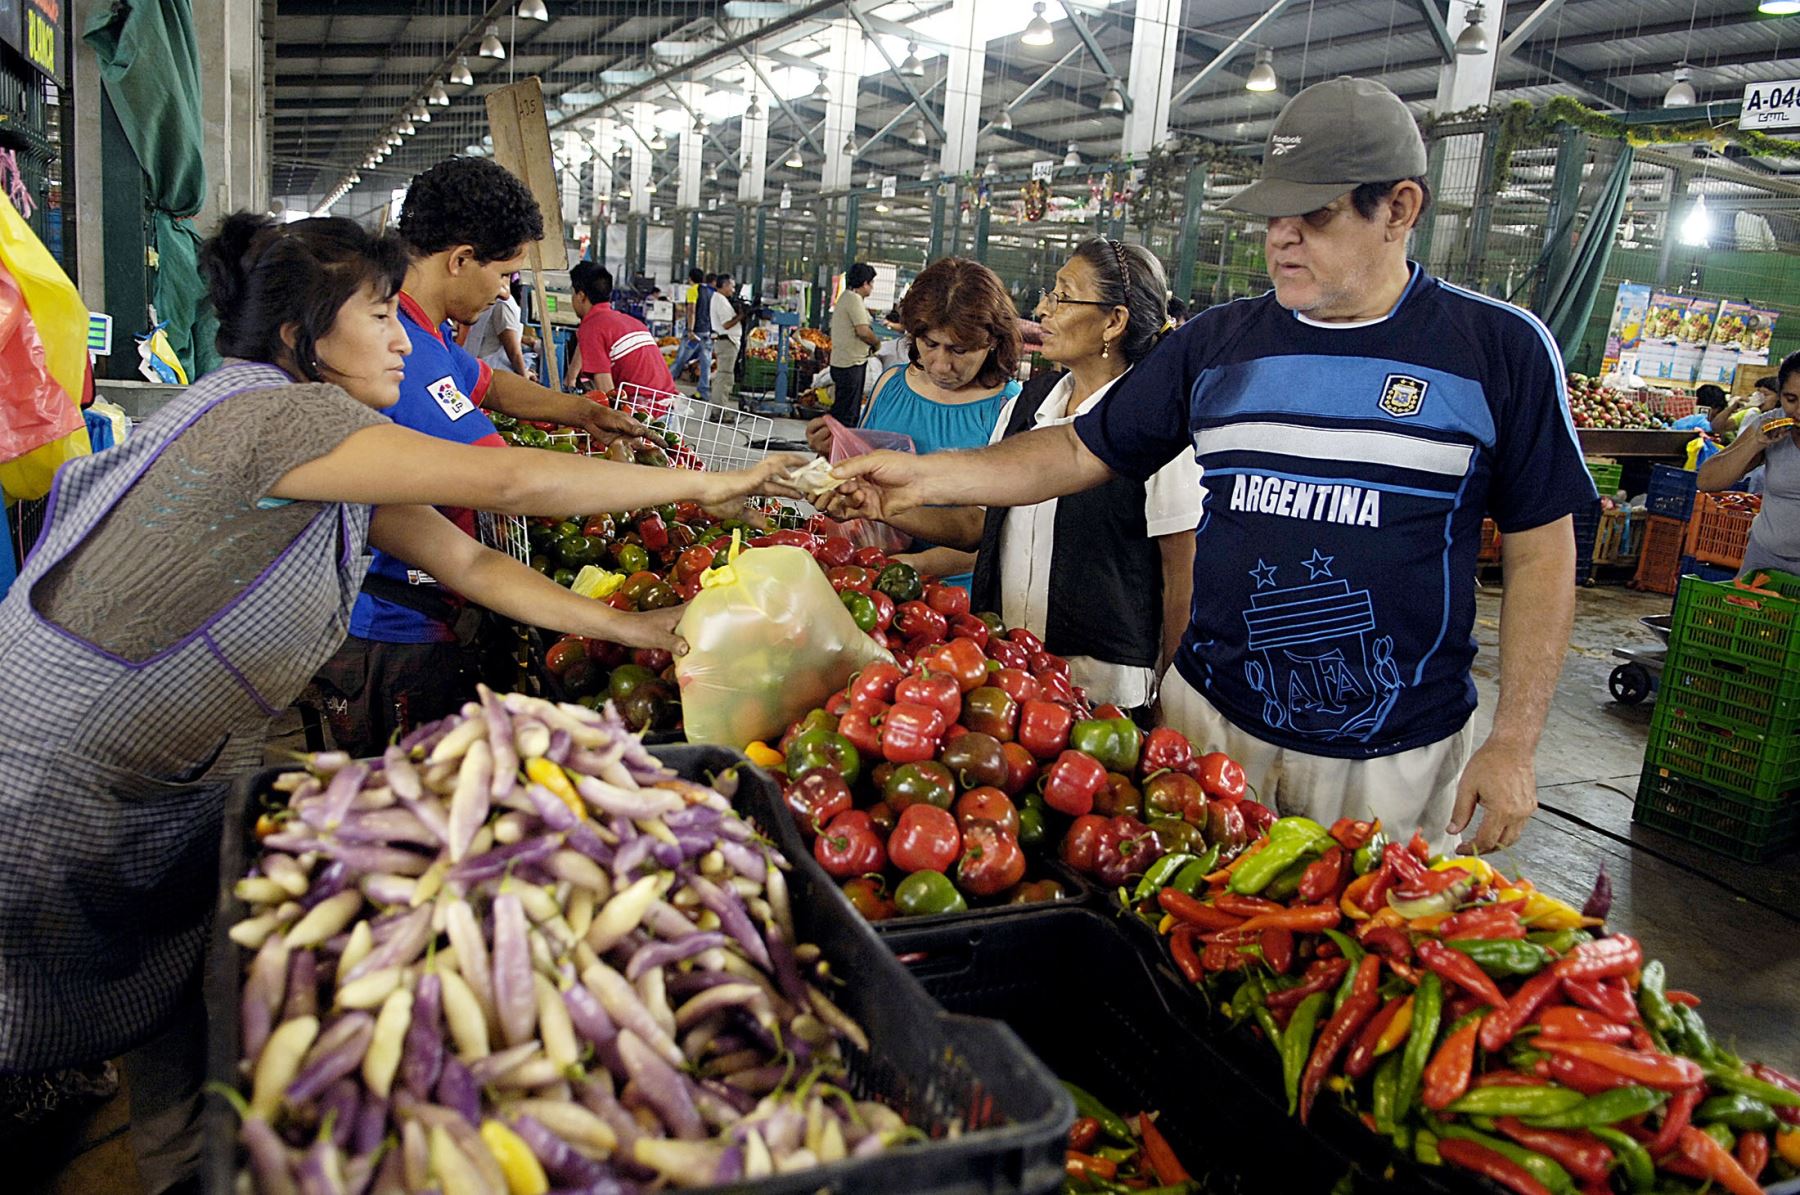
(1467, 81)
(965, 63)
(687, 178)
(90, 265)
(754, 151)
(844, 48)
(229, 34)
(569, 162)
(643, 119)
(1154, 32)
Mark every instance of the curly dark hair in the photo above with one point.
(966, 300)
(470, 201)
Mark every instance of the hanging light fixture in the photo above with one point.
(420, 113)
(787, 195)
(1696, 226)
(460, 75)
(405, 127)
(794, 161)
(1111, 102)
(1681, 92)
(873, 181)
(1779, 8)
(1073, 157)
(929, 173)
(533, 10)
(912, 68)
(658, 142)
(991, 169)
(850, 145)
(1262, 76)
(918, 138)
(1003, 121)
(754, 108)
(699, 123)
(490, 43)
(1037, 30)
(437, 97)
(821, 93)
(712, 173)
(1474, 39)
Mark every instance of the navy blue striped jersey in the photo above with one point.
(1347, 468)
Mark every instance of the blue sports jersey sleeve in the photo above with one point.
(1143, 422)
(1538, 475)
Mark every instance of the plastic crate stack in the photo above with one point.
(1587, 530)
(1660, 554)
(1719, 530)
(1606, 474)
(1490, 543)
(1723, 766)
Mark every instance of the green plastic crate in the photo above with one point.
(1757, 630)
(1606, 475)
(1719, 688)
(1727, 757)
(1718, 821)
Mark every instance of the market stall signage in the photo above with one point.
(890, 185)
(1045, 170)
(43, 35)
(1771, 106)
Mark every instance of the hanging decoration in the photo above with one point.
(1037, 199)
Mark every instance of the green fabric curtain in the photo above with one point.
(150, 67)
(1571, 299)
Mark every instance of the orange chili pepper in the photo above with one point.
(1163, 1163)
(1080, 1165)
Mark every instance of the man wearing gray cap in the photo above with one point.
(1354, 426)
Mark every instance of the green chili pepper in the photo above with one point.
(1270, 1028)
(1629, 1156)
(1403, 1137)
(1653, 999)
(1608, 1107)
(1368, 856)
(1111, 1123)
(1560, 941)
(1428, 1012)
(1192, 875)
(1161, 873)
(1425, 1148)
(1387, 1089)
(1731, 1079)
(1723, 1135)
(1516, 1101)
(1700, 1045)
(1745, 1113)
(1119, 1154)
(1543, 1169)
(1290, 840)
(1296, 1045)
(1504, 957)
(1285, 886)
(1347, 946)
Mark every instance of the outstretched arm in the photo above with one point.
(1020, 470)
(522, 398)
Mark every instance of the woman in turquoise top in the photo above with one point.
(960, 374)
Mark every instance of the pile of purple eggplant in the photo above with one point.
(517, 955)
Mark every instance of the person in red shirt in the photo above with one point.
(612, 349)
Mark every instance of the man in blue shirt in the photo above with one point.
(1354, 425)
(697, 343)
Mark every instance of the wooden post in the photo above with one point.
(522, 145)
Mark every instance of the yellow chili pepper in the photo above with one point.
(550, 774)
(524, 1176)
(1166, 924)
(763, 755)
(1397, 1029)
(1347, 903)
(1787, 1144)
(1481, 869)
(1546, 912)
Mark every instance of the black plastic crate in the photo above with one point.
(997, 1118)
(1671, 492)
(1587, 530)
(1102, 1015)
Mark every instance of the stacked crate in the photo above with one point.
(1723, 766)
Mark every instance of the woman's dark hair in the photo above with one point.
(593, 280)
(1772, 382)
(966, 300)
(860, 274)
(1710, 396)
(263, 276)
(1789, 364)
(470, 201)
(1131, 277)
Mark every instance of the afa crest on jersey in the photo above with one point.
(1402, 395)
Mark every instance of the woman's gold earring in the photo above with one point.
(1105, 349)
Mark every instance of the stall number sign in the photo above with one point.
(1045, 170)
(890, 184)
(1771, 106)
(43, 18)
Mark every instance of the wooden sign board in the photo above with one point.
(521, 136)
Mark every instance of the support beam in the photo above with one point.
(894, 122)
(906, 84)
(763, 78)
(1434, 23)
(1037, 84)
(1545, 60)
(1079, 23)
(1528, 27)
(895, 29)
(1276, 7)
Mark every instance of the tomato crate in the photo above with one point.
(1490, 542)
(1754, 697)
(1114, 1018)
(1759, 629)
(994, 1119)
(1672, 406)
(1671, 492)
(1618, 538)
(1606, 474)
(1719, 532)
(1718, 821)
(1709, 746)
(1659, 555)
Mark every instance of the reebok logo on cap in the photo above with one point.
(1279, 145)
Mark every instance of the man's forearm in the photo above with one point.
(951, 526)
(522, 398)
(1020, 470)
(1537, 611)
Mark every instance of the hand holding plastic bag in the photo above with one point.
(768, 639)
(847, 442)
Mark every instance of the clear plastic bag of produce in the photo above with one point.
(847, 442)
(768, 639)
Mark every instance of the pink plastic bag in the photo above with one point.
(847, 442)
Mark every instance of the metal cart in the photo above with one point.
(1637, 677)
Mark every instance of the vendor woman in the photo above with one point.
(185, 587)
(1768, 439)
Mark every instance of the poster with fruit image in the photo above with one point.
(1625, 332)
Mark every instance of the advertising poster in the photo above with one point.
(1625, 332)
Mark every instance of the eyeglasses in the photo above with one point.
(1049, 300)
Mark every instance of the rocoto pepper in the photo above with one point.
(958, 658)
(1125, 851)
(1044, 728)
(1166, 750)
(1115, 742)
(1072, 782)
(909, 733)
(823, 748)
(1221, 776)
(990, 710)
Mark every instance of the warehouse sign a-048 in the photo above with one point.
(1771, 106)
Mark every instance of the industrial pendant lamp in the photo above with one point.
(794, 160)
(437, 96)
(754, 108)
(873, 181)
(533, 10)
(1073, 157)
(991, 169)
(821, 93)
(912, 68)
(1681, 92)
(405, 127)
(918, 138)
(459, 75)
(850, 145)
(1111, 101)
(699, 123)
(658, 142)
(1262, 75)
(712, 173)
(1003, 121)
(420, 113)
(1473, 39)
(1037, 30)
(927, 174)
(490, 43)
(1779, 8)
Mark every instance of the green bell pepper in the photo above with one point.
(821, 748)
(924, 893)
(1115, 742)
(1032, 831)
(900, 582)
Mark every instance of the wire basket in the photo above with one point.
(503, 533)
(580, 441)
(717, 437)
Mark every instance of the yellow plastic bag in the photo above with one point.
(768, 639)
(43, 362)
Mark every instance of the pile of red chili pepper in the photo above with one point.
(1474, 1020)
(1111, 1154)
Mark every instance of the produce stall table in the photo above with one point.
(1599, 441)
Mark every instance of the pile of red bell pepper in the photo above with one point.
(1474, 1020)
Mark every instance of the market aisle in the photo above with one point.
(1726, 929)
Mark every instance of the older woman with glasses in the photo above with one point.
(1104, 577)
